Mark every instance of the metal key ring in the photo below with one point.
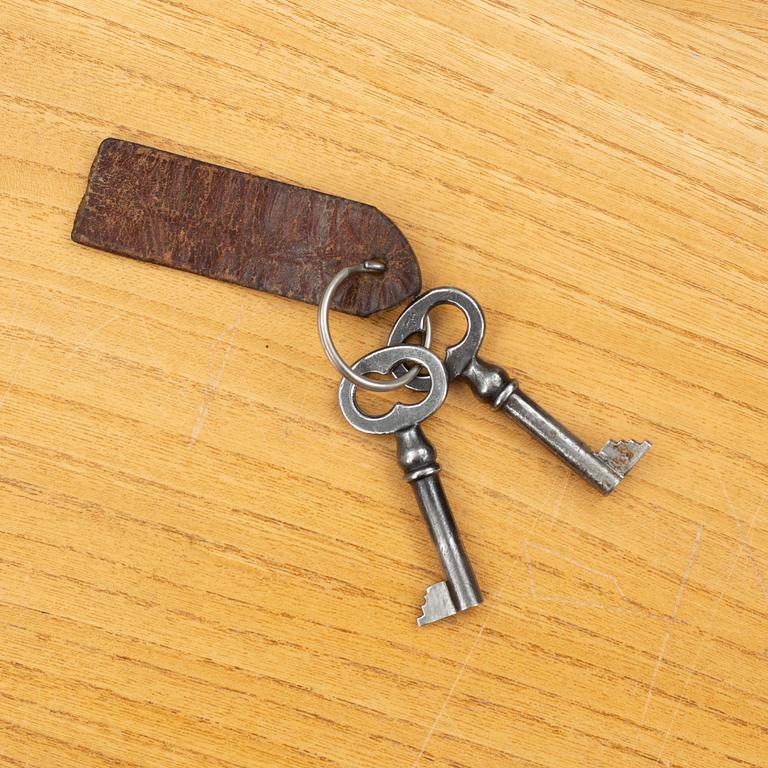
(323, 328)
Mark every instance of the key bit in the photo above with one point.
(622, 455)
(604, 469)
(416, 455)
(438, 604)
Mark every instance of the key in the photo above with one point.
(604, 469)
(416, 454)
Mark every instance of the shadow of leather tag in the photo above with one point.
(172, 210)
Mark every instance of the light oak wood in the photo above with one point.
(201, 564)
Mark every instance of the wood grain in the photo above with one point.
(201, 564)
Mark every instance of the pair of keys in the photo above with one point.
(604, 469)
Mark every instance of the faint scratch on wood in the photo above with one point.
(149, 346)
(93, 334)
(215, 372)
(471, 652)
(527, 546)
(744, 539)
(20, 366)
(672, 620)
(451, 691)
(645, 613)
(243, 561)
(556, 513)
(712, 616)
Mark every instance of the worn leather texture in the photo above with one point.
(168, 209)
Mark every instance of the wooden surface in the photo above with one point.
(201, 564)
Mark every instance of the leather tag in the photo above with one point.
(172, 210)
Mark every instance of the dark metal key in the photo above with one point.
(605, 468)
(416, 455)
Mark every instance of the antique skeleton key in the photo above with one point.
(416, 455)
(605, 468)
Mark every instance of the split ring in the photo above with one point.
(323, 328)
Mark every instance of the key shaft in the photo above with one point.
(416, 455)
(604, 469)
(561, 441)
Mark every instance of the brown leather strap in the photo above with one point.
(172, 210)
